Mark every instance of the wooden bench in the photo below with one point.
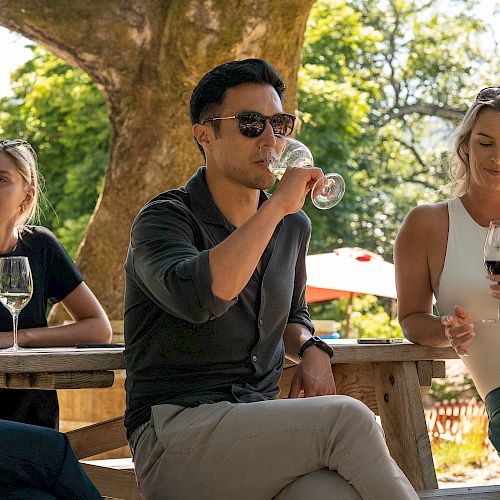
(477, 492)
(99, 438)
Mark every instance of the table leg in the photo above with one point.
(400, 407)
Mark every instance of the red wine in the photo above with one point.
(493, 266)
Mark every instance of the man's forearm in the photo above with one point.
(233, 261)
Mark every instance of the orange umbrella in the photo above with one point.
(346, 272)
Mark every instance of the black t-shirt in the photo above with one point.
(55, 276)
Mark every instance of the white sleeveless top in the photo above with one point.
(463, 282)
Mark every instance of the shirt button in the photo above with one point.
(261, 322)
(254, 358)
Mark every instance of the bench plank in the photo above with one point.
(491, 492)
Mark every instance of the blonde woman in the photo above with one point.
(55, 278)
(439, 251)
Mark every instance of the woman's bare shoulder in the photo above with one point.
(428, 218)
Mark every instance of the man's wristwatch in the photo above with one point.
(318, 343)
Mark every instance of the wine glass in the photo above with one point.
(16, 288)
(492, 258)
(288, 153)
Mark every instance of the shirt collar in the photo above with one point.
(202, 203)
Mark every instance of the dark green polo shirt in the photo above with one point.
(184, 345)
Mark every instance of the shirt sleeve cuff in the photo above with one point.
(198, 271)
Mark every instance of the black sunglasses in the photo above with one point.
(252, 124)
(488, 94)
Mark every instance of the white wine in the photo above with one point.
(14, 302)
(279, 172)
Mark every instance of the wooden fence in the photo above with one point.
(452, 420)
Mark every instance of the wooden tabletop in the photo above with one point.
(58, 359)
(349, 351)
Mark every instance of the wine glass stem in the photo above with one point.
(15, 347)
(498, 311)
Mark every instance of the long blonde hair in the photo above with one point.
(24, 158)
(459, 167)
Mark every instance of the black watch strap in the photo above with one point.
(318, 343)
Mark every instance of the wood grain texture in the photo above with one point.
(402, 416)
(98, 438)
(61, 360)
(57, 380)
(348, 351)
(356, 380)
(113, 483)
(491, 492)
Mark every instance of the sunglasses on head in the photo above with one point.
(5, 144)
(488, 93)
(253, 124)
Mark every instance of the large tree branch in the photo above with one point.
(425, 110)
(81, 32)
(413, 149)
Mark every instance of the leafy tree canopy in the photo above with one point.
(379, 80)
(59, 110)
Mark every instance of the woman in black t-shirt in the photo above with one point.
(55, 279)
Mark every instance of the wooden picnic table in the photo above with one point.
(71, 368)
(389, 379)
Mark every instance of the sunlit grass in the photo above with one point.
(452, 457)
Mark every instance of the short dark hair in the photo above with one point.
(209, 93)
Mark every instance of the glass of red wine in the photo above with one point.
(492, 258)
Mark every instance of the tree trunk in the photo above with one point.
(146, 58)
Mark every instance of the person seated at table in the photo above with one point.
(215, 296)
(439, 251)
(55, 279)
(39, 464)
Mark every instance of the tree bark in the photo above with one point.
(146, 57)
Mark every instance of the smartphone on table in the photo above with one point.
(379, 340)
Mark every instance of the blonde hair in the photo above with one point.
(459, 167)
(24, 158)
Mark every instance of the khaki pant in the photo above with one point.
(327, 447)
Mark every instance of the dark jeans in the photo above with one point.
(38, 463)
(492, 402)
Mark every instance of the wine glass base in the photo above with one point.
(14, 348)
(491, 320)
(330, 193)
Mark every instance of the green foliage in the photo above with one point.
(368, 319)
(363, 62)
(445, 390)
(59, 110)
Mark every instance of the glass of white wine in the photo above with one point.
(288, 153)
(16, 288)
